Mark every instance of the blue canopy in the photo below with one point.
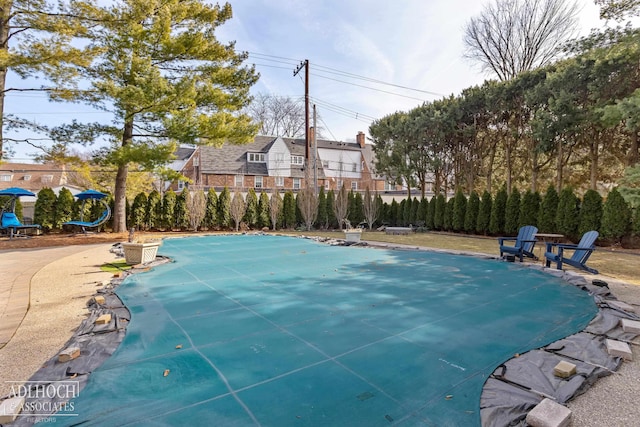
(90, 194)
(15, 192)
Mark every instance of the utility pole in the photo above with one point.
(305, 65)
(315, 153)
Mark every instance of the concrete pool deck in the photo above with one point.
(43, 295)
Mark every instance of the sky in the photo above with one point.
(351, 45)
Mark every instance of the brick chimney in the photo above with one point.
(360, 139)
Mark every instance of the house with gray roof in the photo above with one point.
(277, 162)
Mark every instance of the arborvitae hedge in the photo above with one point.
(448, 214)
(358, 210)
(45, 209)
(210, 219)
(321, 217)
(289, 210)
(548, 210)
(138, 211)
(567, 216)
(530, 208)
(635, 227)
(251, 211)
(182, 215)
(64, 207)
(331, 215)
(498, 211)
(224, 208)
(263, 210)
(421, 215)
(616, 217)
(153, 212)
(484, 213)
(512, 213)
(459, 211)
(471, 213)
(431, 211)
(168, 209)
(393, 213)
(438, 212)
(590, 212)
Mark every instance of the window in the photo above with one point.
(239, 181)
(47, 178)
(296, 183)
(181, 185)
(325, 164)
(196, 161)
(256, 157)
(257, 182)
(354, 167)
(389, 186)
(27, 177)
(297, 160)
(6, 178)
(354, 185)
(326, 185)
(279, 181)
(338, 184)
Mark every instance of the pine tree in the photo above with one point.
(138, 211)
(512, 213)
(160, 68)
(530, 208)
(590, 212)
(616, 217)
(223, 213)
(484, 213)
(498, 212)
(471, 214)
(548, 210)
(459, 211)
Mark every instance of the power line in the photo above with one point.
(368, 87)
(346, 110)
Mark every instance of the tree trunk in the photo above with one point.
(120, 197)
(534, 171)
(559, 168)
(507, 155)
(492, 157)
(593, 154)
(633, 157)
(5, 13)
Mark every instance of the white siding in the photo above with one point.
(341, 163)
(279, 159)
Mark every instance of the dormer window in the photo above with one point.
(297, 160)
(256, 157)
(47, 179)
(6, 178)
(27, 177)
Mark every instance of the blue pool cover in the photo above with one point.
(280, 331)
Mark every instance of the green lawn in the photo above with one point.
(623, 266)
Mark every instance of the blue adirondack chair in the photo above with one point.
(522, 245)
(581, 253)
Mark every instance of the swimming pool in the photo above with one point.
(278, 331)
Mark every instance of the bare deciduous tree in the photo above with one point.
(275, 205)
(308, 201)
(512, 36)
(278, 115)
(341, 206)
(370, 207)
(238, 208)
(196, 208)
